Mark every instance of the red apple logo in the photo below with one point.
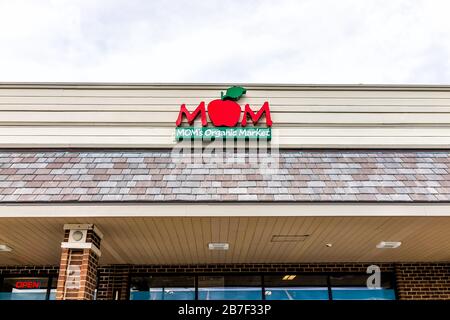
(225, 112)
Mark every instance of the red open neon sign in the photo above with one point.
(28, 284)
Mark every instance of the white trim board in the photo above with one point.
(224, 210)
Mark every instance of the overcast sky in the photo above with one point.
(298, 41)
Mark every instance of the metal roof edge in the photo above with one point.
(265, 86)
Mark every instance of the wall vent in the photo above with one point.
(289, 237)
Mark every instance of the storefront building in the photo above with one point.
(206, 192)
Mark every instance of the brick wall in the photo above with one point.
(423, 281)
(113, 282)
(29, 270)
(414, 281)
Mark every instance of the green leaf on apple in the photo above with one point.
(233, 93)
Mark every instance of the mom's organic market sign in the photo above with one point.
(225, 115)
(222, 132)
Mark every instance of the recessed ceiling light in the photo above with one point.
(5, 248)
(389, 244)
(218, 246)
(289, 277)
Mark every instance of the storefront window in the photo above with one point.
(229, 287)
(354, 287)
(260, 287)
(162, 288)
(296, 287)
(26, 288)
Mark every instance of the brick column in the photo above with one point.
(79, 261)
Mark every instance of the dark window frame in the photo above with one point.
(259, 274)
(391, 276)
(328, 275)
(173, 274)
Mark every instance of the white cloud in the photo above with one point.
(309, 41)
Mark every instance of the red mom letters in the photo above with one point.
(221, 117)
(191, 116)
(255, 117)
